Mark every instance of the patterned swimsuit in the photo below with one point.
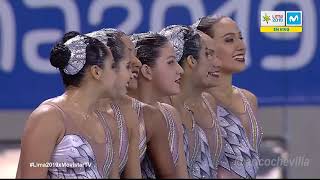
(200, 162)
(76, 156)
(123, 136)
(240, 153)
(146, 165)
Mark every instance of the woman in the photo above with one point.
(65, 137)
(196, 55)
(159, 76)
(123, 49)
(236, 107)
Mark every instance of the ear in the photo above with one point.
(191, 62)
(146, 72)
(96, 72)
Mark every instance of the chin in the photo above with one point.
(239, 69)
(175, 91)
(210, 85)
(235, 68)
(133, 83)
(132, 87)
(124, 92)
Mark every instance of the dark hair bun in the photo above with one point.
(59, 56)
(69, 35)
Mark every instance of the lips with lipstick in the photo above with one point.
(215, 74)
(178, 81)
(239, 57)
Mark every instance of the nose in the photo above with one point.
(138, 63)
(217, 62)
(241, 46)
(180, 71)
(131, 74)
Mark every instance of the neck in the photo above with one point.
(223, 92)
(147, 94)
(122, 100)
(132, 93)
(190, 94)
(83, 98)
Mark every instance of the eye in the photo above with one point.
(209, 53)
(241, 38)
(171, 62)
(229, 40)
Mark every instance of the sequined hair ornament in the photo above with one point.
(77, 47)
(196, 24)
(136, 37)
(176, 35)
(100, 35)
(110, 30)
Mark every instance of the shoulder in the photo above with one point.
(175, 114)
(46, 114)
(45, 119)
(250, 97)
(210, 99)
(171, 110)
(153, 116)
(147, 109)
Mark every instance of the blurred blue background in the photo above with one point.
(282, 68)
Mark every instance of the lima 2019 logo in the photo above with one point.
(266, 18)
(275, 18)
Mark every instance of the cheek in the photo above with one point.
(108, 80)
(224, 51)
(162, 78)
(124, 73)
(121, 78)
(225, 56)
(204, 66)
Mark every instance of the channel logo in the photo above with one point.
(273, 18)
(281, 21)
(293, 18)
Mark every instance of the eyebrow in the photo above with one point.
(171, 57)
(231, 34)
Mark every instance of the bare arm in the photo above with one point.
(158, 145)
(132, 168)
(181, 167)
(42, 131)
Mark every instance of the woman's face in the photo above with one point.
(134, 63)
(123, 72)
(166, 73)
(230, 47)
(207, 71)
(108, 77)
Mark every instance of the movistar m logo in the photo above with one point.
(293, 18)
